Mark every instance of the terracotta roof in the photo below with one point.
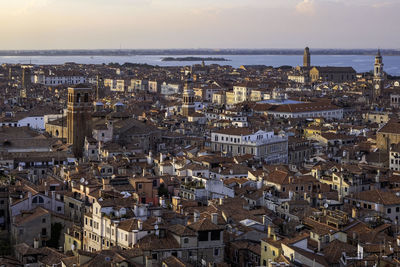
(377, 196)
(204, 225)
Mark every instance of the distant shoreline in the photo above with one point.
(194, 59)
(197, 52)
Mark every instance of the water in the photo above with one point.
(360, 63)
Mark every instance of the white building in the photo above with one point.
(306, 110)
(394, 158)
(170, 88)
(261, 144)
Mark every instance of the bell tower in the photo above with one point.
(79, 118)
(378, 80)
(306, 58)
(188, 97)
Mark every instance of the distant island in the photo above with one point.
(197, 52)
(194, 59)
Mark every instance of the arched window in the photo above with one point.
(38, 200)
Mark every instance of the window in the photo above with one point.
(43, 220)
(216, 252)
(38, 199)
(186, 240)
(265, 248)
(215, 235)
(397, 209)
(389, 210)
(203, 236)
(140, 186)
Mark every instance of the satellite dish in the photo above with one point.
(326, 205)
(156, 226)
(82, 180)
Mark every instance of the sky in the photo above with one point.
(149, 24)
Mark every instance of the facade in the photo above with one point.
(242, 92)
(395, 100)
(299, 78)
(384, 203)
(333, 74)
(388, 135)
(306, 110)
(394, 158)
(240, 141)
(78, 118)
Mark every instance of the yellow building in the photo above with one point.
(270, 247)
(73, 239)
(312, 131)
(256, 95)
(57, 128)
(229, 98)
(376, 117)
(218, 98)
(270, 250)
(389, 134)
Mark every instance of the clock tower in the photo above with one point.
(378, 79)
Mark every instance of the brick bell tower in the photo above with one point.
(188, 106)
(79, 118)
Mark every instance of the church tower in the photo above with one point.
(78, 118)
(378, 80)
(26, 82)
(188, 97)
(306, 58)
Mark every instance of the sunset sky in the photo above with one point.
(91, 24)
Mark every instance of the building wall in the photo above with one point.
(33, 229)
(268, 253)
(394, 161)
(384, 140)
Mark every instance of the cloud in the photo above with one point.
(30, 5)
(306, 7)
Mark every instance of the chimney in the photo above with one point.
(354, 213)
(29, 200)
(149, 261)
(150, 158)
(221, 201)
(264, 220)
(140, 225)
(270, 231)
(214, 218)
(377, 177)
(259, 184)
(35, 243)
(360, 252)
(135, 234)
(196, 216)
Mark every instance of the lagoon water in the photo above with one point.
(360, 63)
